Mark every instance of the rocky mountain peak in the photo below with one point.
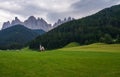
(6, 24)
(32, 18)
(35, 23)
(16, 18)
(69, 18)
(31, 23)
(42, 20)
(59, 22)
(16, 21)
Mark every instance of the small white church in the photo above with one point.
(42, 48)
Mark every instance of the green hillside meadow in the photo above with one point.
(73, 44)
(96, 60)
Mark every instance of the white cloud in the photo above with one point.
(50, 10)
(10, 5)
(7, 16)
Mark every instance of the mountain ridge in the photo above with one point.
(34, 23)
(31, 23)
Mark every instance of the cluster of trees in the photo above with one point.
(11, 46)
(103, 26)
(16, 37)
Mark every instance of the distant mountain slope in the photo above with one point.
(16, 37)
(39, 31)
(103, 26)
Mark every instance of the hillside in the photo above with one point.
(96, 47)
(16, 37)
(103, 26)
(39, 31)
(72, 44)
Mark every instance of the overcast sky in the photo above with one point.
(51, 10)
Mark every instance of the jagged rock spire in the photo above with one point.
(59, 22)
(36, 23)
(31, 23)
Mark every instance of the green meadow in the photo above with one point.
(95, 60)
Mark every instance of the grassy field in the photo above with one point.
(73, 44)
(97, 47)
(96, 60)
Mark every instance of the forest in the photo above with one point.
(103, 26)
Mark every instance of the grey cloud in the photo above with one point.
(92, 6)
(27, 10)
(30, 10)
(54, 16)
(78, 9)
(82, 8)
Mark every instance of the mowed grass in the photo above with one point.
(82, 61)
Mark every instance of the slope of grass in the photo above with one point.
(97, 47)
(59, 63)
(73, 44)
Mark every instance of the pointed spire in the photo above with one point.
(6, 25)
(31, 18)
(16, 18)
(69, 18)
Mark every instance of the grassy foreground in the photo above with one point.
(96, 60)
